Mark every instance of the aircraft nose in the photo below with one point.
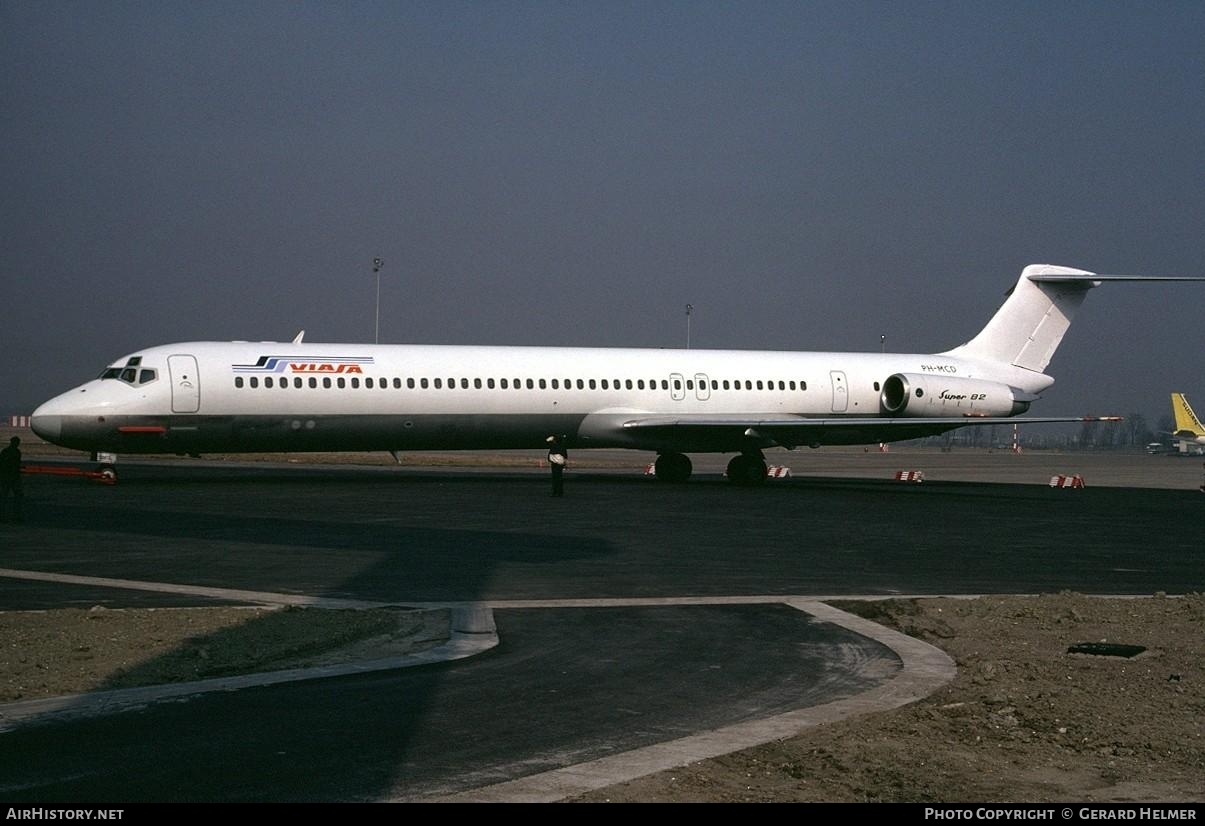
(48, 427)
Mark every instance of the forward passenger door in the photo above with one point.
(186, 384)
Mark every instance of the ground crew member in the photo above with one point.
(10, 479)
(558, 456)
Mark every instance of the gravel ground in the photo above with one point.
(75, 650)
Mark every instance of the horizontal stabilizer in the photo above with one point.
(1096, 278)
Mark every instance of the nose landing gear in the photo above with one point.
(106, 467)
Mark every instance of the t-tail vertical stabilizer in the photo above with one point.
(1031, 323)
(1029, 326)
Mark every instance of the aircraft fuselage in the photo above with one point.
(252, 397)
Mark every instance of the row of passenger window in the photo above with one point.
(370, 383)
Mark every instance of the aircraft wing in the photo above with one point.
(792, 431)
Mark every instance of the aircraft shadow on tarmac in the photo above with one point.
(563, 686)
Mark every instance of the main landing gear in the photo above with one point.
(747, 469)
(744, 469)
(672, 467)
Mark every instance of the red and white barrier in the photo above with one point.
(650, 470)
(18, 421)
(910, 476)
(1075, 481)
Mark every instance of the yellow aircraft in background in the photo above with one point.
(1189, 431)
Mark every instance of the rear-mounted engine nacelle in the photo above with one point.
(919, 395)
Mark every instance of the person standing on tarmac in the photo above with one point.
(558, 456)
(10, 479)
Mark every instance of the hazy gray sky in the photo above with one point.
(809, 175)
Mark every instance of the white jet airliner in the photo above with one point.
(204, 397)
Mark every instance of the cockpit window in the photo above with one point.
(131, 374)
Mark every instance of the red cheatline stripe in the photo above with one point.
(148, 429)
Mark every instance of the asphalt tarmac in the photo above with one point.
(565, 685)
(401, 535)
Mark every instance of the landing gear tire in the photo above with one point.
(672, 467)
(746, 469)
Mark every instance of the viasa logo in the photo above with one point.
(308, 364)
(323, 367)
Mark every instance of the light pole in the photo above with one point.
(377, 263)
(690, 308)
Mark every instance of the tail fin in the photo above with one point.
(1187, 423)
(1029, 326)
